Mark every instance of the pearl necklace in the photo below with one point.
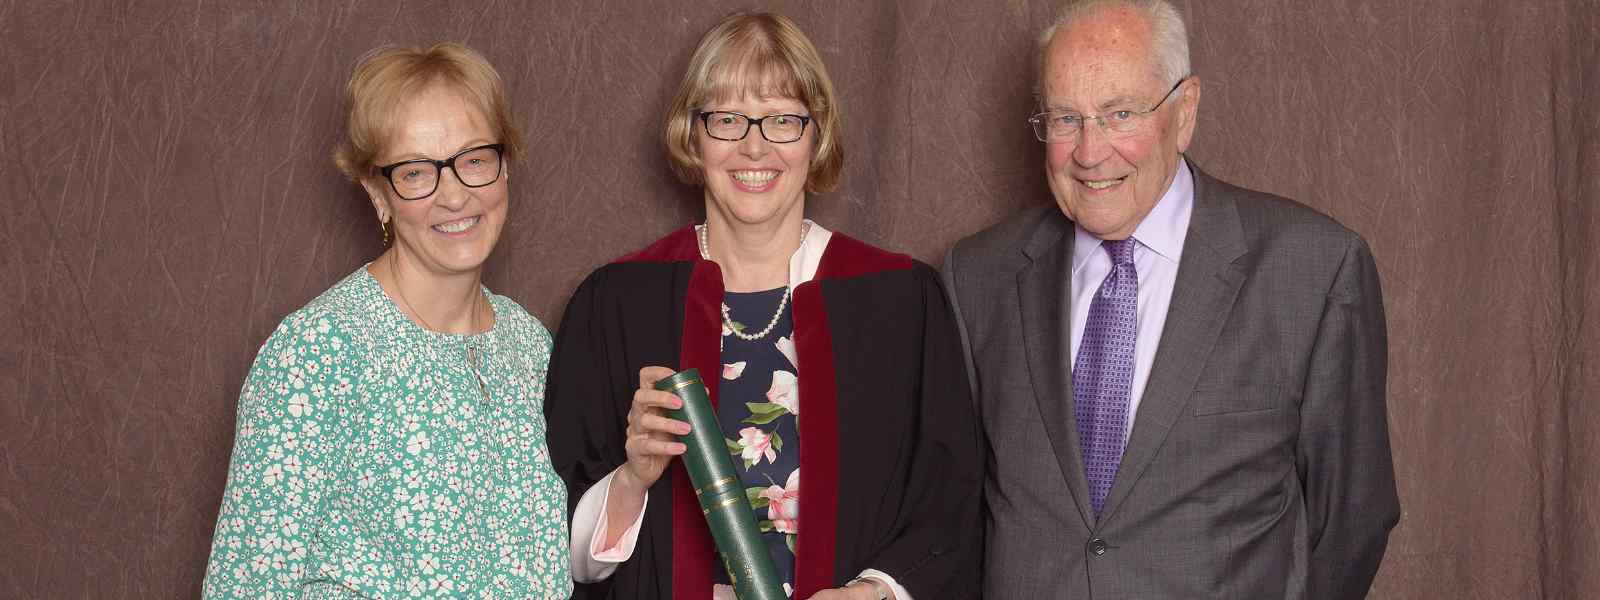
(705, 253)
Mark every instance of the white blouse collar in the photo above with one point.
(803, 264)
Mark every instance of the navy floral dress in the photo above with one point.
(759, 401)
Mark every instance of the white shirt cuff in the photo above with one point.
(900, 593)
(591, 563)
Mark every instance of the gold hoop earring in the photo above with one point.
(384, 227)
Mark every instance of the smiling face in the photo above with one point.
(1097, 64)
(453, 230)
(754, 182)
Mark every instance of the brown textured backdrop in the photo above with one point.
(168, 198)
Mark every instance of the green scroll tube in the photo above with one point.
(721, 495)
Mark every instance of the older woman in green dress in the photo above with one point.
(390, 438)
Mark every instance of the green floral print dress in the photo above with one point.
(376, 459)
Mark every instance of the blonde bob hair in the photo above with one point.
(387, 76)
(763, 55)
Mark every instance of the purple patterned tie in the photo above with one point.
(1102, 379)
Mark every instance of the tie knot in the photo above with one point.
(1121, 251)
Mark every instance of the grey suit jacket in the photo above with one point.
(1258, 465)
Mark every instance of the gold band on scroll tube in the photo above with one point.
(717, 486)
(683, 384)
(723, 504)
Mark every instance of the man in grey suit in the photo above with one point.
(1181, 381)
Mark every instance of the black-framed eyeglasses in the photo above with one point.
(418, 178)
(1062, 126)
(732, 127)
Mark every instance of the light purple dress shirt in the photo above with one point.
(1160, 245)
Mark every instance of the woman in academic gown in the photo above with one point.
(834, 366)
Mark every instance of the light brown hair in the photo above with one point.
(762, 55)
(387, 76)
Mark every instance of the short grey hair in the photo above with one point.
(1170, 37)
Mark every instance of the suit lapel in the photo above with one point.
(1202, 298)
(1044, 290)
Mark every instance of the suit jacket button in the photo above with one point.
(1098, 547)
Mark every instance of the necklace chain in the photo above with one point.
(399, 290)
(727, 321)
(472, 349)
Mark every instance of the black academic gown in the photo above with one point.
(891, 466)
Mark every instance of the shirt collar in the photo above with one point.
(805, 260)
(1162, 231)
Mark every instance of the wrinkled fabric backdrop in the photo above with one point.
(168, 198)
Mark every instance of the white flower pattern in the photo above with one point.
(760, 410)
(785, 391)
(367, 463)
(783, 504)
(786, 346)
(756, 444)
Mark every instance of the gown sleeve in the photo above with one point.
(937, 548)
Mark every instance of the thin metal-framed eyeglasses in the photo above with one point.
(732, 127)
(1059, 126)
(418, 178)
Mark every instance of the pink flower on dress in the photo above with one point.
(785, 391)
(783, 504)
(731, 372)
(754, 444)
(786, 346)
